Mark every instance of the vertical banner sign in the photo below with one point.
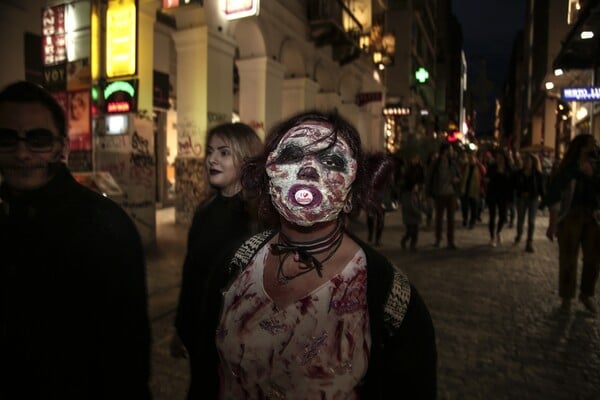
(121, 39)
(54, 45)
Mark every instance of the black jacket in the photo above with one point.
(73, 301)
(403, 359)
(218, 228)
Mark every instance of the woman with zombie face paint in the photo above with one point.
(309, 311)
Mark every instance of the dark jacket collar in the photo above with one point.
(52, 191)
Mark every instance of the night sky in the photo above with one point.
(489, 30)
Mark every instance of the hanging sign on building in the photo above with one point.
(364, 98)
(178, 3)
(396, 110)
(121, 96)
(54, 44)
(590, 93)
(55, 77)
(235, 9)
(121, 38)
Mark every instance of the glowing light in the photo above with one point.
(581, 113)
(121, 40)
(558, 72)
(587, 34)
(549, 85)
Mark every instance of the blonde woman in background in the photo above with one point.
(219, 226)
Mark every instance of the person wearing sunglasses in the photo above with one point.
(73, 303)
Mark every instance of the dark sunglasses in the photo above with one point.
(38, 140)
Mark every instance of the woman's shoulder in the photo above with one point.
(249, 248)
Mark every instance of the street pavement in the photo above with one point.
(499, 331)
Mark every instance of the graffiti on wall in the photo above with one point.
(130, 159)
(188, 139)
(191, 187)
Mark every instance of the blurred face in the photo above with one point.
(499, 159)
(527, 162)
(309, 182)
(223, 171)
(590, 148)
(24, 164)
(78, 106)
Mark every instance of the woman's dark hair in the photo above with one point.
(28, 92)
(371, 174)
(571, 157)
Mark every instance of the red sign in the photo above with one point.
(118, 107)
(54, 43)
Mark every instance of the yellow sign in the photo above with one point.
(121, 40)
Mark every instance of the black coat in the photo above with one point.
(73, 301)
(218, 228)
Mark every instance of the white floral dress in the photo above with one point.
(315, 348)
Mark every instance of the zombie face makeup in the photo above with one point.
(310, 176)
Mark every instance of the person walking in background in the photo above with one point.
(472, 187)
(443, 181)
(499, 193)
(573, 199)
(388, 200)
(310, 296)
(414, 173)
(429, 201)
(73, 305)
(219, 226)
(514, 163)
(529, 188)
(412, 210)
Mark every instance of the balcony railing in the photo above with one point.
(332, 23)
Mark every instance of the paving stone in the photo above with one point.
(499, 331)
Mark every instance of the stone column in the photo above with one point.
(261, 84)
(328, 101)
(204, 71)
(299, 94)
(190, 183)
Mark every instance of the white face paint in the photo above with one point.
(309, 182)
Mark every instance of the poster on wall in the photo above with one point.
(79, 75)
(78, 113)
(62, 99)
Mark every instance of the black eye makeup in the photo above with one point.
(289, 154)
(333, 160)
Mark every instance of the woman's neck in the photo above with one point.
(230, 191)
(299, 233)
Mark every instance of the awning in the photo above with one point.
(578, 53)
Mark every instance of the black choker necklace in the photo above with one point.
(304, 252)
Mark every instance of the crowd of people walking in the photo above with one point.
(512, 187)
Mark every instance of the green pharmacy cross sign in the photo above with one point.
(422, 75)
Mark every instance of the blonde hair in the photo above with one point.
(241, 138)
